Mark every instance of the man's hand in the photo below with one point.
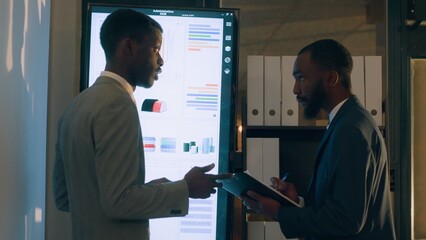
(202, 185)
(261, 204)
(269, 206)
(285, 188)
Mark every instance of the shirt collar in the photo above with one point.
(122, 81)
(335, 110)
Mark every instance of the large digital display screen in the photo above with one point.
(188, 116)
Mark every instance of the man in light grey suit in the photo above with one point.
(99, 172)
(349, 194)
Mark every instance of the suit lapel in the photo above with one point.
(350, 102)
(309, 191)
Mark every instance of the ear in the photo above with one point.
(126, 46)
(333, 78)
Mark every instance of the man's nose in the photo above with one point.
(160, 61)
(296, 88)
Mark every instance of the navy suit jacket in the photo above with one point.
(349, 195)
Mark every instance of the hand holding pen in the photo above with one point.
(285, 188)
(285, 175)
(277, 182)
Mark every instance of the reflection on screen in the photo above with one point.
(181, 113)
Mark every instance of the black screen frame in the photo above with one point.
(228, 100)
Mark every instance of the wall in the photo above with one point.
(64, 69)
(418, 71)
(24, 46)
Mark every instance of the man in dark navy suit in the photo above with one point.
(349, 195)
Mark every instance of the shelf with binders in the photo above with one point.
(297, 145)
(271, 100)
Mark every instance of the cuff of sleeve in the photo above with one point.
(183, 189)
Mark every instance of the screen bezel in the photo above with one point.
(227, 142)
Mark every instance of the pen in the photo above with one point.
(284, 177)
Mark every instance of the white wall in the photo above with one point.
(64, 69)
(24, 46)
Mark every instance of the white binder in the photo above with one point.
(263, 163)
(255, 230)
(254, 157)
(273, 231)
(270, 159)
(272, 94)
(254, 153)
(289, 104)
(271, 168)
(255, 91)
(373, 87)
(357, 78)
(263, 158)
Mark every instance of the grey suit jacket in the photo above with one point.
(349, 195)
(99, 170)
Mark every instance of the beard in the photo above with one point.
(315, 102)
(146, 78)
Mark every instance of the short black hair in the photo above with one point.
(330, 55)
(124, 23)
